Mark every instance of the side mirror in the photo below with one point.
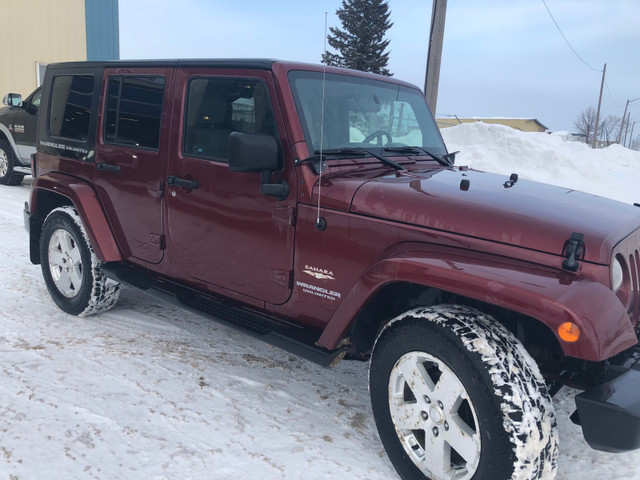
(252, 153)
(12, 99)
(257, 153)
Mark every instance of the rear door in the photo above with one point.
(221, 230)
(130, 154)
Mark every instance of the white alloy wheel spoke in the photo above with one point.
(448, 390)
(64, 283)
(406, 416)
(416, 376)
(67, 244)
(75, 276)
(438, 457)
(463, 440)
(56, 258)
(74, 255)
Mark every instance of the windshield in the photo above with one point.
(364, 113)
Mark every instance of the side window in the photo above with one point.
(218, 106)
(70, 110)
(133, 113)
(35, 100)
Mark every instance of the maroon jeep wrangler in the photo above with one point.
(319, 210)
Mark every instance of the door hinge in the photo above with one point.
(284, 278)
(285, 214)
(157, 240)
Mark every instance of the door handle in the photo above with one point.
(182, 182)
(105, 167)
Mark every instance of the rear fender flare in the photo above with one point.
(548, 295)
(86, 202)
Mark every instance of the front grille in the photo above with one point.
(628, 252)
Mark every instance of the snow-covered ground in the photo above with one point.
(148, 391)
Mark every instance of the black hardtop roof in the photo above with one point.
(250, 63)
(223, 63)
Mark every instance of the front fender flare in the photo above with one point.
(86, 202)
(546, 294)
(5, 131)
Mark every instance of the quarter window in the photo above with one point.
(134, 111)
(70, 111)
(218, 106)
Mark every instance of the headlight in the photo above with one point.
(617, 275)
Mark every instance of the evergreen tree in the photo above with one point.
(360, 42)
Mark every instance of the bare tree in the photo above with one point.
(608, 130)
(635, 143)
(585, 123)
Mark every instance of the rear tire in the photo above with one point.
(70, 267)
(8, 176)
(456, 397)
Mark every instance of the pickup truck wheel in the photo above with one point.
(70, 267)
(7, 175)
(455, 396)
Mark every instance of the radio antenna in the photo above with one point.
(321, 223)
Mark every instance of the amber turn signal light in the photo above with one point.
(569, 332)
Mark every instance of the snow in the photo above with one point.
(610, 172)
(152, 392)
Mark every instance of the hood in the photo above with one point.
(525, 214)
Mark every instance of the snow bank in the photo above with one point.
(610, 172)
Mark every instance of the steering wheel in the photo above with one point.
(378, 134)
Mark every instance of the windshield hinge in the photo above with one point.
(573, 250)
(285, 214)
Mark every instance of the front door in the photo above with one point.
(129, 157)
(25, 122)
(220, 229)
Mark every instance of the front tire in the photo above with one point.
(8, 176)
(70, 267)
(456, 397)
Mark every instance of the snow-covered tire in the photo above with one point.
(8, 176)
(456, 396)
(70, 267)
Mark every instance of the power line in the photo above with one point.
(565, 39)
(611, 95)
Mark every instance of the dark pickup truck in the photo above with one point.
(18, 122)
(319, 210)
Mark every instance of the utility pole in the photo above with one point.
(436, 35)
(631, 136)
(624, 115)
(626, 129)
(595, 130)
(622, 122)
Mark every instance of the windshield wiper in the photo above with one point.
(445, 160)
(347, 152)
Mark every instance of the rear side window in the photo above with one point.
(133, 113)
(70, 110)
(218, 106)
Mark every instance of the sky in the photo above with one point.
(500, 58)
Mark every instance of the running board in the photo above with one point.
(20, 169)
(289, 337)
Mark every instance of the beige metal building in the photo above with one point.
(37, 32)
(522, 124)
